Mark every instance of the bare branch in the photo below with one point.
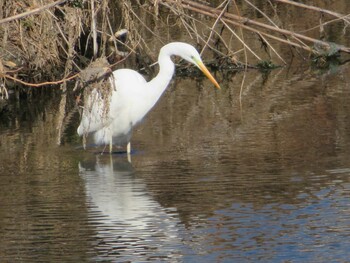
(31, 12)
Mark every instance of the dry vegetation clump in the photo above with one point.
(252, 33)
(50, 40)
(38, 44)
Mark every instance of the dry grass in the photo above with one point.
(49, 44)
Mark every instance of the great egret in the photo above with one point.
(132, 98)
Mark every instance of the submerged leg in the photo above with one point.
(128, 151)
(128, 148)
(111, 145)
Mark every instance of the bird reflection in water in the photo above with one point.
(130, 225)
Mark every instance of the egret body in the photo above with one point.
(132, 98)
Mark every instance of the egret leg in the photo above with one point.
(110, 146)
(128, 148)
(128, 151)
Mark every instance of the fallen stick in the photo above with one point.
(247, 23)
(317, 9)
(38, 84)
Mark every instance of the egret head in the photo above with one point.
(190, 54)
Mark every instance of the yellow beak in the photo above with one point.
(206, 72)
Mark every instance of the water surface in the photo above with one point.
(212, 179)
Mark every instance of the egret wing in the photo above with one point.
(110, 115)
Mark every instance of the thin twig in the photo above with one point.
(42, 83)
(274, 51)
(314, 8)
(93, 29)
(67, 43)
(325, 23)
(190, 29)
(214, 25)
(248, 23)
(240, 39)
(31, 12)
(245, 58)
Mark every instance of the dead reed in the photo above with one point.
(48, 40)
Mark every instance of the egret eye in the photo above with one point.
(193, 59)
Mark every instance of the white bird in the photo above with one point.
(132, 98)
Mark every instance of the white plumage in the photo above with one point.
(132, 98)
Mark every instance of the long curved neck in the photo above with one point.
(166, 72)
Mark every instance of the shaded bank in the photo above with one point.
(53, 45)
(56, 39)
